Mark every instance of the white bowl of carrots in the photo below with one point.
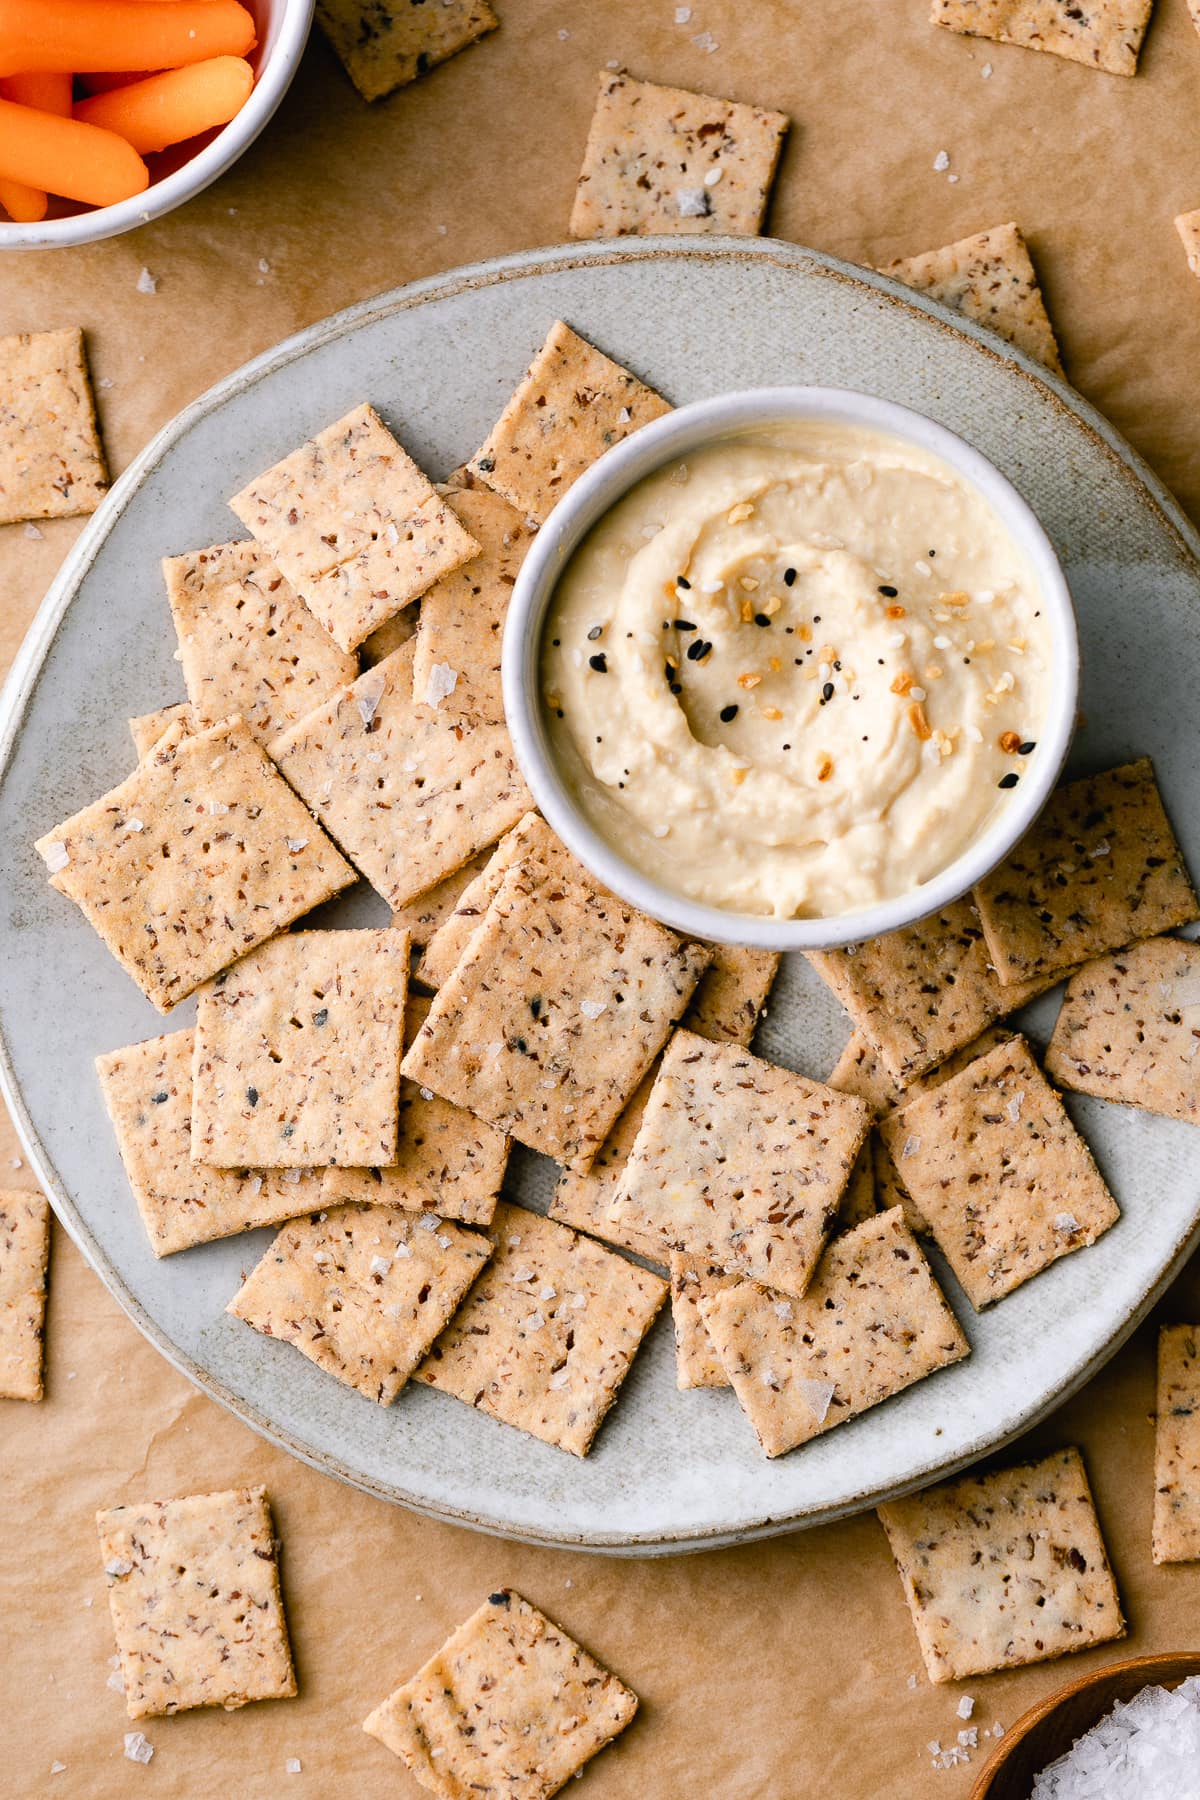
(113, 112)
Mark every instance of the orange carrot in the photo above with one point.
(65, 156)
(166, 109)
(51, 93)
(74, 36)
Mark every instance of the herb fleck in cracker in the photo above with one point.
(989, 278)
(193, 1587)
(1099, 869)
(384, 44)
(457, 660)
(548, 1333)
(148, 1092)
(298, 1053)
(571, 406)
(1004, 1569)
(999, 1171)
(24, 1254)
(1188, 224)
(662, 159)
(247, 642)
(199, 855)
(51, 460)
(872, 1322)
(509, 1705)
(1177, 1447)
(409, 793)
(741, 1162)
(355, 526)
(1129, 1029)
(1104, 34)
(362, 1291)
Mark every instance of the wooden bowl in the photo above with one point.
(1048, 1729)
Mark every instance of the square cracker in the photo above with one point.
(694, 1279)
(573, 403)
(1004, 1569)
(24, 1254)
(410, 794)
(150, 728)
(1100, 868)
(447, 1161)
(741, 1162)
(298, 1052)
(548, 1333)
(354, 525)
(1129, 1029)
(989, 278)
(1107, 34)
(509, 1705)
(385, 44)
(362, 1291)
(1188, 224)
(247, 642)
(193, 1587)
(556, 1011)
(873, 1321)
(147, 1089)
(860, 1070)
(462, 615)
(51, 460)
(530, 839)
(1176, 1533)
(425, 915)
(665, 159)
(199, 855)
(1003, 1177)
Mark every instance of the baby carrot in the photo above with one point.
(65, 156)
(74, 36)
(50, 93)
(166, 109)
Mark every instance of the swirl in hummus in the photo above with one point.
(798, 673)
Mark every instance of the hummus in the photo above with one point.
(798, 673)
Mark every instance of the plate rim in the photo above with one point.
(17, 691)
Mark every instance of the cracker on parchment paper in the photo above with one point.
(1104, 34)
(51, 459)
(24, 1256)
(1188, 224)
(1176, 1532)
(385, 44)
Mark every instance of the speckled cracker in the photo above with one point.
(199, 855)
(872, 1323)
(425, 915)
(989, 278)
(1100, 868)
(1004, 1569)
(193, 1586)
(731, 993)
(1188, 224)
(1129, 1029)
(571, 406)
(664, 159)
(741, 1162)
(247, 642)
(391, 634)
(298, 1053)
(529, 839)
(1106, 34)
(384, 44)
(556, 1011)
(858, 1198)
(447, 1160)
(509, 1705)
(148, 1092)
(1003, 1177)
(919, 993)
(548, 1333)
(1176, 1534)
(409, 794)
(457, 661)
(24, 1254)
(149, 728)
(693, 1279)
(362, 1291)
(51, 459)
(860, 1070)
(355, 526)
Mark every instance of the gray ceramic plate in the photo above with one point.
(670, 1470)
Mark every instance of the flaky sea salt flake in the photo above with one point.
(136, 1748)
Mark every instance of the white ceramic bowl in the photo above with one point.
(283, 28)
(678, 434)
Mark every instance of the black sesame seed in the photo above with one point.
(498, 1600)
(761, 619)
(594, 633)
(684, 625)
(675, 687)
(888, 592)
(599, 662)
(827, 691)
(321, 1018)
(682, 581)
(1008, 781)
(1027, 749)
(697, 650)
(535, 1005)
(288, 1130)
(728, 714)
(556, 642)
(252, 1096)
(789, 576)
(161, 1098)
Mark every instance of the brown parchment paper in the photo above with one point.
(779, 1669)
